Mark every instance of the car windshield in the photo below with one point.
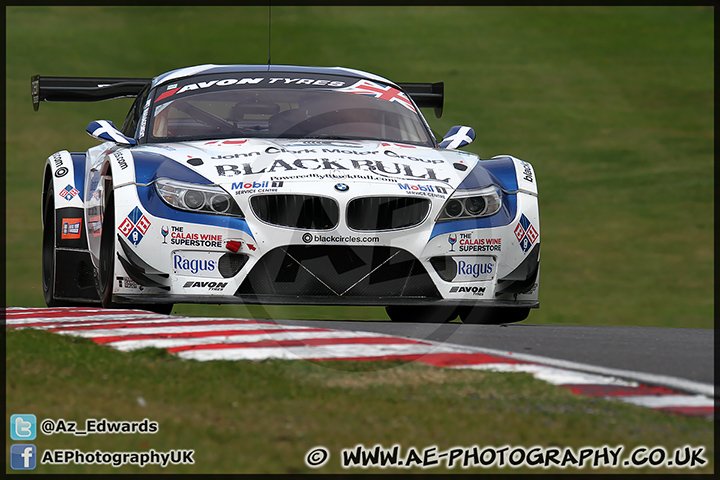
(359, 109)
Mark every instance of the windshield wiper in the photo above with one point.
(332, 137)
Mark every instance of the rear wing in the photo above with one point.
(83, 89)
(95, 89)
(426, 95)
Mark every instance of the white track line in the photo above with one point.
(325, 352)
(674, 383)
(125, 331)
(127, 345)
(556, 376)
(663, 401)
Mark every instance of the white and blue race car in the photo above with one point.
(263, 184)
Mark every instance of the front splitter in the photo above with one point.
(319, 300)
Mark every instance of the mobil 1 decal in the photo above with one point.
(424, 190)
(525, 233)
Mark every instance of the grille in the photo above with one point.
(231, 263)
(297, 211)
(386, 213)
(338, 271)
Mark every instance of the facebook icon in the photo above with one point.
(22, 457)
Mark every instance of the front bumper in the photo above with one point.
(293, 266)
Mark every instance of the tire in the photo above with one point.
(106, 271)
(421, 314)
(49, 265)
(492, 315)
(107, 254)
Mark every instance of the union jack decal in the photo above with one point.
(366, 87)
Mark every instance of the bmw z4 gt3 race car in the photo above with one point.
(263, 184)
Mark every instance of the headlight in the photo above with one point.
(197, 198)
(465, 204)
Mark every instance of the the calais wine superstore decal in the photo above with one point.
(135, 226)
(237, 339)
(179, 236)
(468, 243)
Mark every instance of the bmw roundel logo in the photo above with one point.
(342, 187)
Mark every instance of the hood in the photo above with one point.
(256, 161)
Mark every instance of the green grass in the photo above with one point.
(263, 417)
(612, 105)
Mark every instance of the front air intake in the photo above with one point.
(386, 213)
(337, 271)
(307, 212)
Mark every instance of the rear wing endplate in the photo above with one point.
(83, 89)
(426, 95)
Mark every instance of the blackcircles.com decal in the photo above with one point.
(318, 238)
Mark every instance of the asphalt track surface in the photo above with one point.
(676, 352)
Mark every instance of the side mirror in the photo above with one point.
(106, 130)
(458, 136)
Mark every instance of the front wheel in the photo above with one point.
(107, 254)
(492, 315)
(421, 314)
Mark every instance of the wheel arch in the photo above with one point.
(66, 266)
